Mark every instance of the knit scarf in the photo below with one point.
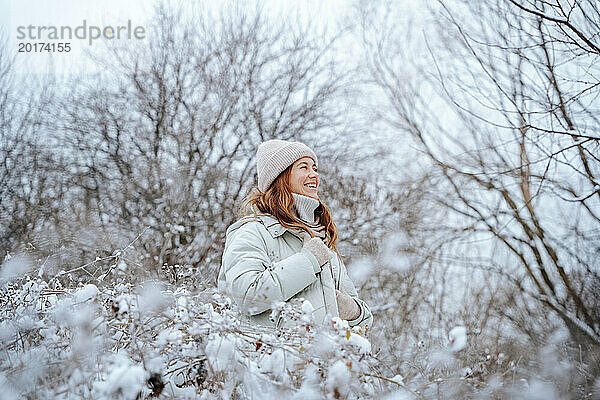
(305, 207)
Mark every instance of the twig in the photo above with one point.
(393, 381)
(115, 256)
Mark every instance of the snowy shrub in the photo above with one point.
(119, 337)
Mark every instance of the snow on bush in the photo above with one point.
(360, 271)
(117, 337)
(14, 267)
(120, 339)
(457, 338)
(394, 253)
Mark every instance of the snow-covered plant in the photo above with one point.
(120, 338)
(115, 336)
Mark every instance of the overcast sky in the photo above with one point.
(114, 13)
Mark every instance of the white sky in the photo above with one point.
(65, 13)
(14, 13)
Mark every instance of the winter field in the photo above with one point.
(459, 154)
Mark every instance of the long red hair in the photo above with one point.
(278, 201)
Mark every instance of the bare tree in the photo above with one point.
(167, 140)
(504, 112)
(30, 185)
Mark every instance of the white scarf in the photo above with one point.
(305, 209)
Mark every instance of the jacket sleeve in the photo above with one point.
(365, 319)
(254, 280)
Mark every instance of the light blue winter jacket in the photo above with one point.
(263, 263)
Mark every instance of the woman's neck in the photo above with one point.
(305, 207)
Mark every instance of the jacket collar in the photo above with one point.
(270, 223)
(274, 227)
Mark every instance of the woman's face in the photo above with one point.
(304, 178)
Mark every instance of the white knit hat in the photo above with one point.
(274, 156)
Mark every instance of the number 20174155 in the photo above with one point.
(42, 46)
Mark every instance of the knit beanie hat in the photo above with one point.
(274, 156)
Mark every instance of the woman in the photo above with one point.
(285, 246)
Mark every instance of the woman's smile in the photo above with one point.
(304, 178)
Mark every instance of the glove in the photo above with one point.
(347, 307)
(317, 247)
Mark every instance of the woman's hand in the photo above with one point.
(318, 248)
(347, 307)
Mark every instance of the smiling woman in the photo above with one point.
(304, 178)
(285, 245)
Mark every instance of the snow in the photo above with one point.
(399, 395)
(559, 336)
(220, 352)
(178, 229)
(95, 350)
(457, 338)
(310, 385)
(442, 358)
(393, 254)
(26, 323)
(274, 363)
(185, 393)
(121, 266)
(307, 393)
(323, 344)
(15, 267)
(339, 378)
(150, 297)
(82, 345)
(88, 292)
(122, 304)
(539, 390)
(399, 379)
(125, 379)
(360, 270)
(169, 335)
(7, 391)
(307, 311)
(340, 324)
(363, 344)
(6, 331)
